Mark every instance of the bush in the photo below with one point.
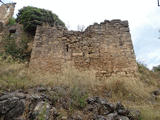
(30, 17)
(11, 21)
(17, 50)
(156, 68)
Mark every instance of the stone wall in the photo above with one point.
(105, 47)
(6, 12)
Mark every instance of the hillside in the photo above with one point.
(69, 95)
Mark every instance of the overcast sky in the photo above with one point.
(143, 17)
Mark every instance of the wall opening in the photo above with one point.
(67, 48)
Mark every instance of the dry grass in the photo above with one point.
(69, 77)
(15, 75)
(127, 88)
(148, 77)
(148, 112)
(12, 74)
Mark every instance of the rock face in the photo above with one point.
(7, 11)
(106, 48)
(43, 104)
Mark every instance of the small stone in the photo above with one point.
(64, 118)
(90, 100)
(119, 106)
(122, 112)
(41, 89)
(112, 116)
(100, 117)
(110, 107)
(41, 109)
(11, 95)
(122, 118)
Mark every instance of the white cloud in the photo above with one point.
(151, 58)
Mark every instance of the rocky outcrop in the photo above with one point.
(53, 104)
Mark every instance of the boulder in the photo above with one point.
(12, 105)
(41, 111)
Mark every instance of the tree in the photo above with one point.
(156, 68)
(30, 17)
(81, 28)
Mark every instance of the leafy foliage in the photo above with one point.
(11, 21)
(18, 50)
(156, 68)
(30, 17)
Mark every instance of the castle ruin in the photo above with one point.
(106, 48)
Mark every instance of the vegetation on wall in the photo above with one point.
(30, 17)
(17, 49)
(11, 21)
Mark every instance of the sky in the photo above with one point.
(143, 17)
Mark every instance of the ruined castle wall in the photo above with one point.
(6, 12)
(105, 47)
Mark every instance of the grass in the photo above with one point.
(127, 88)
(12, 75)
(69, 77)
(148, 112)
(134, 92)
(148, 77)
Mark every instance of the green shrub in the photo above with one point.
(17, 50)
(11, 21)
(30, 17)
(78, 97)
(156, 68)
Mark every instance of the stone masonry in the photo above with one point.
(6, 12)
(106, 48)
